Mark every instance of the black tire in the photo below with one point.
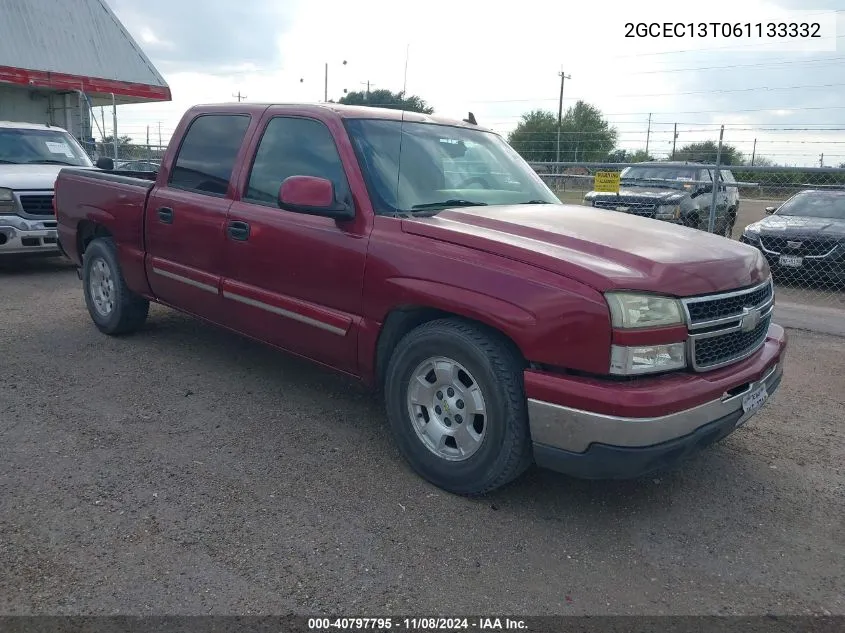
(505, 451)
(129, 311)
(731, 221)
(692, 221)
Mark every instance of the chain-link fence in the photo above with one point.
(128, 156)
(794, 215)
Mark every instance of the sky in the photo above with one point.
(500, 61)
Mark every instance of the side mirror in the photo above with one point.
(104, 162)
(770, 210)
(314, 196)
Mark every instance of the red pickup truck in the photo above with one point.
(426, 258)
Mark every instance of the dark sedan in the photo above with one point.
(804, 238)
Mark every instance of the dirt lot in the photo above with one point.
(187, 470)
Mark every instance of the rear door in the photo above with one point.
(292, 279)
(185, 223)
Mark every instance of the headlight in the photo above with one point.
(668, 212)
(629, 310)
(7, 201)
(752, 232)
(647, 359)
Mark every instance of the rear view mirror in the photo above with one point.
(770, 210)
(314, 196)
(106, 163)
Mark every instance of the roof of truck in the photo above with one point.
(344, 112)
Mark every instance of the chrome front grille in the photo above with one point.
(627, 205)
(728, 327)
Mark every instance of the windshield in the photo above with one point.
(413, 166)
(815, 205)
(672, 177)
(45, 147)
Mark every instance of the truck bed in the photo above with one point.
(114, 202)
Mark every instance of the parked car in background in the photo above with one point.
(677, 192)
(31, 156)
(803, 238)
(424, 257)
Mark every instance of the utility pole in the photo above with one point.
(711, 225)
(753, 152)
(239, 96)
(647, 134)
(821, 160)
(148, 141)
(326, 84)
(674, 138)
(159, 136)
(405, 79)
(367, 83)
(560, 116)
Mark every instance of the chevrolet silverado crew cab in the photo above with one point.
(30, 159)
(426, 258)
(676, 192)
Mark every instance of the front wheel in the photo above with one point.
(113, 307)
(456, 406)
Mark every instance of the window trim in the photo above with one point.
(175, 162)
(244, 194)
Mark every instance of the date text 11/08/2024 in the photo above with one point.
(416, 624)
(724, 29)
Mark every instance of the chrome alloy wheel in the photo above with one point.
(447, 408)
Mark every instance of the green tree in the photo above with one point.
(624, 156)
(585, 135)
(387, 99)
(706, 153)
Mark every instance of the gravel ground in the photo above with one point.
(185, 470)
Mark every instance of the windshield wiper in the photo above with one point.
(535, 202)
(49, 161)
(450, 203)
(9, 162)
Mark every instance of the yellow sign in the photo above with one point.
(607, 181)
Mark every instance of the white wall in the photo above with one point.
(18, 103)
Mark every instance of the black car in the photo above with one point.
(805, 237)
(676, 192)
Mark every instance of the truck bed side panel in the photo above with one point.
(110, 203)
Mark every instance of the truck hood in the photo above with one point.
(798, 226)
(603, 249)
(22, 177)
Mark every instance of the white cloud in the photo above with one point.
(498, 63)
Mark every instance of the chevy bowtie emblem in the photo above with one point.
(750, 319)
(791, 244)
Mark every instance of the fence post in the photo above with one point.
(711, 225)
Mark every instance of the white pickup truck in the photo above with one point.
(31, 157)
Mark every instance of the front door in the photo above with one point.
(185, 223)
(291, 279)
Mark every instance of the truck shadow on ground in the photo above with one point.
(20, 267)
(267, 377)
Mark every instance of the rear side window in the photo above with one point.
(207, 155)
(294, 147)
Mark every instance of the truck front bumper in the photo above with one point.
(622, 430)
(19, 236)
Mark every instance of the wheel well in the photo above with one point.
(86, 232)
(400, 321)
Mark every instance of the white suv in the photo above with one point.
(31, 157)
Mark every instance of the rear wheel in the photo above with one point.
(456, 406)
(113, 307)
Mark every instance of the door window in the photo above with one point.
(294, 147)
(207, 156)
